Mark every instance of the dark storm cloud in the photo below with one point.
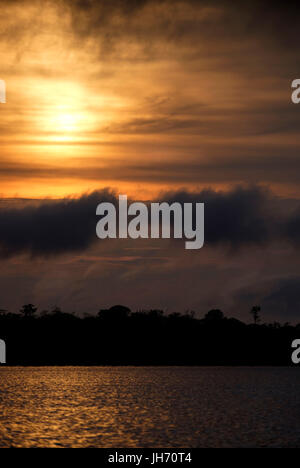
(239, 217)
(242, 217)
(185, 21)
(51, 228)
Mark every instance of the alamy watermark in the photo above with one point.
(296, 93)
(296, 354)
(2, 92)
(161, 226)
(2, 352)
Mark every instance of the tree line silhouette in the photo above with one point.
(118, 336)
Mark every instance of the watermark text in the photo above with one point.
(158, 215)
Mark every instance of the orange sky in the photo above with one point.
(144, 96)
(141, 100)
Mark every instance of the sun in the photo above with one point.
(63, 123)
(64, 113)
(66, 122)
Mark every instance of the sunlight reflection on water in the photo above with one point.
(149, 407)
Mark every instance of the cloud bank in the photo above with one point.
(241, 217)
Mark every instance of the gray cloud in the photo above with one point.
(241, 217)
(52, 227)
(255, 16)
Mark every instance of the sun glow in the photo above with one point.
(63, 113)
(64, 123)
(67, 122)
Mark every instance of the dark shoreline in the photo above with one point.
(119, 337)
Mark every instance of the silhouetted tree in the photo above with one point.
(190, 314)
(144, 337)
(155, 313)
(175, 315)
(117, 312)
(255, 314)
(57, 311)
(28, 310)
(214, 314)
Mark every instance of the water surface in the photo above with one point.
(149, 407)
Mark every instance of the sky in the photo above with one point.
(159, 100)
